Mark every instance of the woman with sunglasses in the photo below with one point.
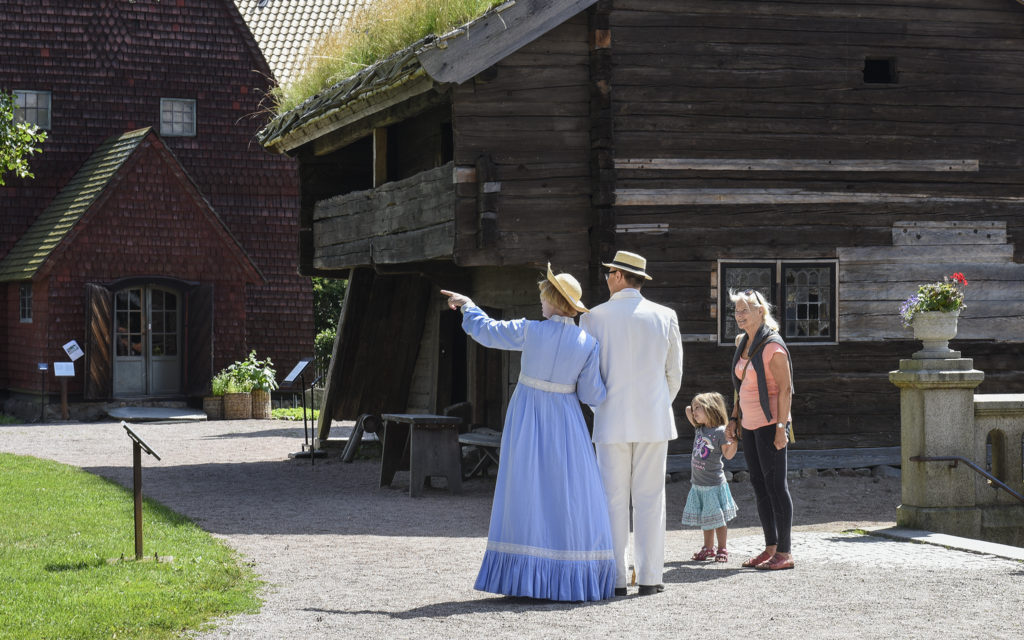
(762, 376)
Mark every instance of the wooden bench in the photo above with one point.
(488, 442)
(424, 444)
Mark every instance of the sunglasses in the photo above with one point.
(608, 274)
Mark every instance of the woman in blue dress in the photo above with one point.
(550, 537)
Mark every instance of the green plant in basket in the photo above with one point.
(252, 373)
(947, 295)
(219, 384)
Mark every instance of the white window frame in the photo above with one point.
(25, 303)
(177, 117)
(33, 107)
(775, 295)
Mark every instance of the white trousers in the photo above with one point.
(636, 470)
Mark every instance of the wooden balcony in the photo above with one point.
(410, 220)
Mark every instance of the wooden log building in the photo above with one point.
(833, 154)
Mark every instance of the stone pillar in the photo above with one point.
(937, 419)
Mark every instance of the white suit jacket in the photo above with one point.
(642, 366)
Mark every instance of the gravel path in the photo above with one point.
(344, 558)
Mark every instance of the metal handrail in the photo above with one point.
(992, 480)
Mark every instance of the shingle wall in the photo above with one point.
(107, 64)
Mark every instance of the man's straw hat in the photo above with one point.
(631, 262)
(569, 287)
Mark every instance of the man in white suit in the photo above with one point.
(642, 365)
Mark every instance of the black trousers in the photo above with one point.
(768, 468)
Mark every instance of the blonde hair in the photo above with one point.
(554, 297)
(756, 300)
(713, 405)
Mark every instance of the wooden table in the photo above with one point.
(424, 444)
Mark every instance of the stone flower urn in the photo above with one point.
(935, 329)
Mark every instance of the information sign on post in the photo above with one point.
(138, 445)
(73, 350)
(298, 370)
(63, 371)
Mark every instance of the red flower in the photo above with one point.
(959, 277)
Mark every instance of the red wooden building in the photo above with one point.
(155, 233)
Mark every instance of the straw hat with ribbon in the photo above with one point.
(569, 287)
(631, 262)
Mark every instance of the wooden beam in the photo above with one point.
(355, 128)
(795, 164)
(465, 52)
(380, 156)
(357, 291)
(353, 111)
(675, 197)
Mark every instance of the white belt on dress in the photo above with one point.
(545, 385)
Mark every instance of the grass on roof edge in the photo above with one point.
(374, 32)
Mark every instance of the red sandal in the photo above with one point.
(705, 553)
(764, 556)
(722, 555)
(777, 562)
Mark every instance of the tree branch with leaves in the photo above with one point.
(18, 141)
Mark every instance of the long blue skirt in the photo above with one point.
(550, 536)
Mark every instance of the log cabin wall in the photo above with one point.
(526, 121)
(701, 86)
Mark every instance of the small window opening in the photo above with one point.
(25, 303)
(879, 70)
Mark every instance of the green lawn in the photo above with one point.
(63, 533)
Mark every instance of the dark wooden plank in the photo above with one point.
(809, 459)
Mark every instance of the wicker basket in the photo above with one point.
(213, 406)
(237, 406)
(260, 404)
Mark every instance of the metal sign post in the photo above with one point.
(138, 444)
(309, 449)
(43, 368)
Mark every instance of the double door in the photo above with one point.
(146, 341)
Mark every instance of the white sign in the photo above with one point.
(64, 369)
(73, 350)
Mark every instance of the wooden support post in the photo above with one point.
(64, 398)
(380, 156)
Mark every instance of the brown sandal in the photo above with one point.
(777, 562)
(764, 556)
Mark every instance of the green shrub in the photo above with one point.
(323, 347)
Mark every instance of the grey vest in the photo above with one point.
(763, 336)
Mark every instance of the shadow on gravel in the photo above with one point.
(292, 431)
(692, 572)
(468, 607)
(294, 497)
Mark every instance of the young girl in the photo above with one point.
(709, 504)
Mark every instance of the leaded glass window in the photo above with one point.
(803, 294)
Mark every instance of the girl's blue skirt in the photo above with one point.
(709, 507)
